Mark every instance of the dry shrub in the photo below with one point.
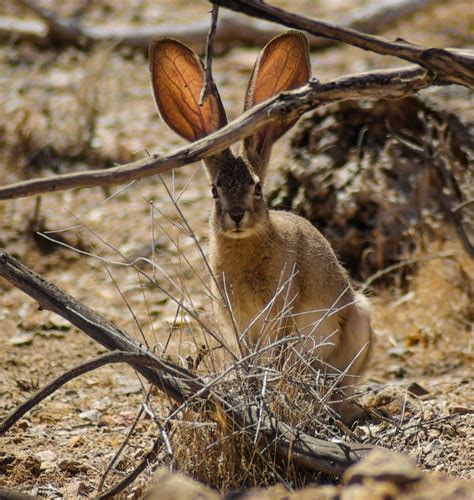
(226, 458)
(374, 176)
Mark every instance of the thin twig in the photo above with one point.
(463, 205)
(208, 83)
(406, 263)
(124, 443)
(59, 28)
(149, 458)
(57, 383)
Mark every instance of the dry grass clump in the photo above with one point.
(226, 458)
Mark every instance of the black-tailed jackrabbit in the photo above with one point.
(279, 273)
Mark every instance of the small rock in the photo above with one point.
(57, 334)
(91, 415)
(75, 441)
(382, 465)
(417, 389)
(428, 448)
(370, 489)
(56, 322)
(102, 404)
(76, 489)
(23, 338)
(177, 487)
(47, 460)
(46, 456)
(6, 459)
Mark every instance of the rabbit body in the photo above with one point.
(286, 279)
(276, 274)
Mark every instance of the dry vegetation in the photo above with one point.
(63, 109)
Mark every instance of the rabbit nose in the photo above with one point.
(236, 214)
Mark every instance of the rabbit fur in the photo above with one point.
(278, 272)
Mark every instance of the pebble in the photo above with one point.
(91, 415)
(47, 460)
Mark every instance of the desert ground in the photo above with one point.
(66, 109)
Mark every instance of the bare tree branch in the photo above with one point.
(232, 29)
(209, 82)
(182, 385)
(391, 84)
(453, 66)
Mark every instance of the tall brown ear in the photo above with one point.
(177, 77)
(282, 65)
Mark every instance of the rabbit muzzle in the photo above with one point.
(236, 223)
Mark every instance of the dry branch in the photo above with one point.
(390, 84)
(230, 32)
(180, 384)
(454, 66)
(208, 83)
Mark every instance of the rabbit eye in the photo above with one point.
(258, 189)
(214, 192)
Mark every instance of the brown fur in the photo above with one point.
(279, 273)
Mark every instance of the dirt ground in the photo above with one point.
(65, 110)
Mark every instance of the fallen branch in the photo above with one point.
(390, 84)
(454, 66)
(231, 31)
(182, 385)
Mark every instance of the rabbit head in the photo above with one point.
(237, 181)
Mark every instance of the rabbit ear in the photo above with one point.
(177, 78)
(282, 65)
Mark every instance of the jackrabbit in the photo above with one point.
(279, 273)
